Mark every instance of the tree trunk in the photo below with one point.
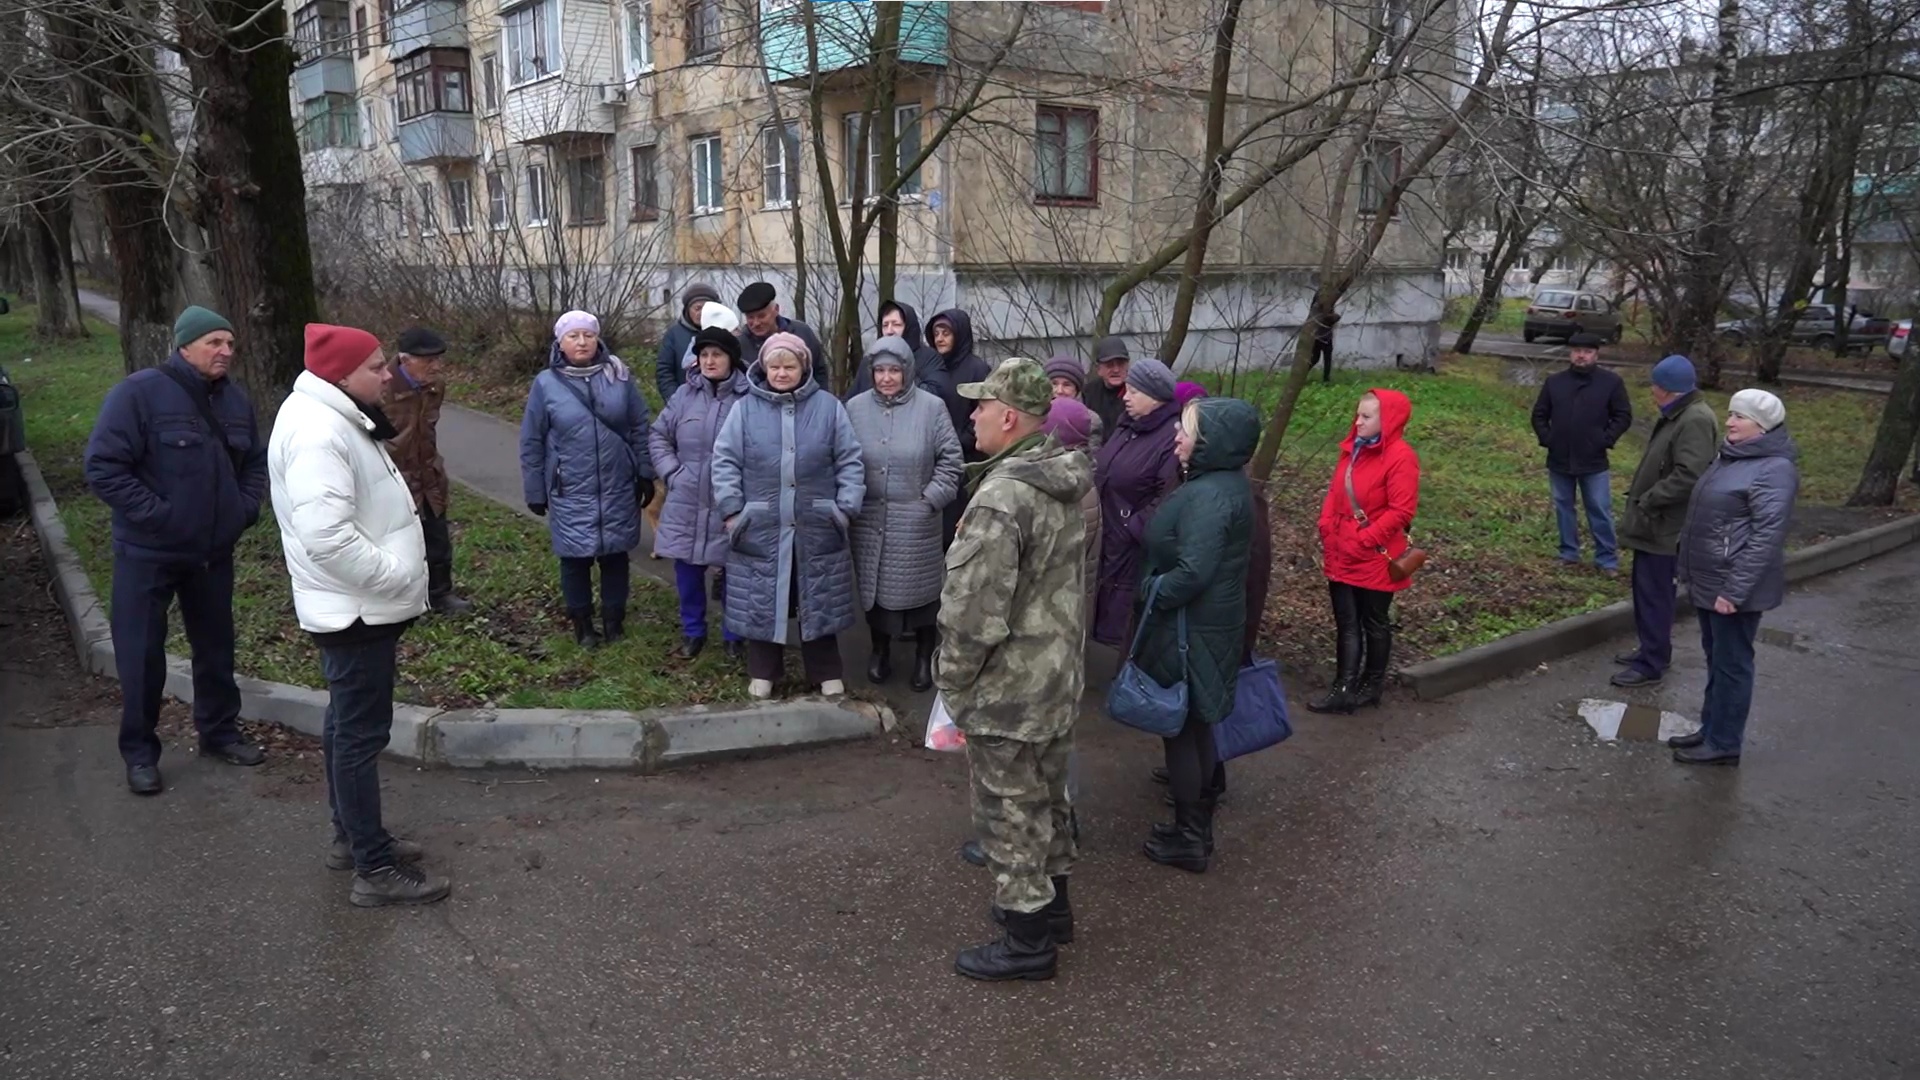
(49, 234)
(1893, 440)
(1707, 262)
(1206, 207)
(253, 195)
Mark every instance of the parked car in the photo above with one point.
(1815, 327)
(1562, 313)
(1900, 337)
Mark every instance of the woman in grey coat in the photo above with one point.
(913, 470)
(681, 442)
(1733, 551)
(787, 481)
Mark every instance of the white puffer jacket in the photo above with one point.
(348, 525)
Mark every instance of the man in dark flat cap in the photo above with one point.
(413, 405)
(1580, 414)
(763, 320)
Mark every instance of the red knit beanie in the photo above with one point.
(334, 352)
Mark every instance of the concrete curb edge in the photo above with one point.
(533, 738)
(1441, 676)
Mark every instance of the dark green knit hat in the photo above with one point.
(195, 323)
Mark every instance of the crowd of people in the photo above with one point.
(997, 518)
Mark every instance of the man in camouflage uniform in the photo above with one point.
(1010, 667)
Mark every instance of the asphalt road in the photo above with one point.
(1513, 347)
(1476, 888)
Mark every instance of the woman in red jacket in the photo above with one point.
(1363, 523)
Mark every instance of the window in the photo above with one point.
(361, 36)
(1524, 263)
(539, 195)
(1457, 258)
(780, 163)
(1379, 172)
(646, 183)
(460, 203)
(329, 121)
(366, 125)
(709, 196)
(386, 20)
(320, 30)
(1586, 303)
(1562, 263)
(587, 189)
(533, 41)
(433, 80)
(1394, 20)
(499, 199)
(1065, 147)
(429, 211)
(639, 34)
(490, 82)
(401, 214)
(906, 133)
(703, 28)
(393, 118)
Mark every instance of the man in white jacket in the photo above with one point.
(357, 556)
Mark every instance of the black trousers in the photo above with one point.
(142, 594)
(439, 553)
(1363, 635)
(820, 658)
(1191, 761)
(1323, 356)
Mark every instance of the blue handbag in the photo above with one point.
(1259, 716)
(1136, 699)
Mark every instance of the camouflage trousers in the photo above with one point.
(1020, 808)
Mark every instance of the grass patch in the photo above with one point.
(1484, 507)
(515, 652)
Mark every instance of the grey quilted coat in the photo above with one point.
(913, 470)
(1734, 543)
(788, 465)
(681, 442)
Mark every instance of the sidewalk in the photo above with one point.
(1515, 349)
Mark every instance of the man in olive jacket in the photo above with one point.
(1682, 445)
(1010, 669)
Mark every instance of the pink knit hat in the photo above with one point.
(1187, 391)
(784, 341)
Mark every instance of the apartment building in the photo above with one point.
(643, 144)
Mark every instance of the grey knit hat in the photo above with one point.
(1152, 378)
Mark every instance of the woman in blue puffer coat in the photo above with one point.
(584, 467)
(690, 532)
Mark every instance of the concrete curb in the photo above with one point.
(1446, 675)
(533, 738)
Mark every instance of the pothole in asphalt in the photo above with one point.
(1614, 720)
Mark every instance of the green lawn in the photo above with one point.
(516, 652)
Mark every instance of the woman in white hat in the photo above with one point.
(1733, 559)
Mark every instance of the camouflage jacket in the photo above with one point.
(1014, 610)
(415, 414)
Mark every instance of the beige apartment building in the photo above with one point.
(645, 144)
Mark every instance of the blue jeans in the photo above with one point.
(1595, 490)
(1727, 640)
(142, 593)
(691, 583)
(359, 723)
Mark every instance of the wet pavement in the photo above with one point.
(1473, 888)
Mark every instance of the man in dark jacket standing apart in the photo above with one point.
(1684, 440)
(176, 452)
(763, 320)
(669, 368)
(414, 397)
(1109, 382)
(1580, 414)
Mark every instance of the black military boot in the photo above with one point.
(690, 647)
(1190, 846)
(925, 642)
(1058, 911)
(584, 635)
(1025, 951)
(1339, 699)
(880, 664)
(615, 622)
(736, 651)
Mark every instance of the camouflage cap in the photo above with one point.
(1019, 382)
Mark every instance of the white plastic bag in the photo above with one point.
(941, 732)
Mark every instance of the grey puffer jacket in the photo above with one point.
(681, 443)
(913, 471)
(786, 468)
(1734, 543)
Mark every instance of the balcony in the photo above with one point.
(331, 74)
(843, 36)
(331, 166)
(428, 24)
(438, 138)
(560, 110)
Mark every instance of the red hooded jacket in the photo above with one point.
(1386, 482)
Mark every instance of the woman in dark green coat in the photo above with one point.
(1196, 551)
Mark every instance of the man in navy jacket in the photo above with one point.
(177, 453)
(1580, 413)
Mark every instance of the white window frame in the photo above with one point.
(636, 27)
(536, 26)
(1459, 259)
(489, 83)
(499, 200)
(907, 117)
(429, 209)
(402, 217)
(460, 204)
(709, 174)
(1373, 186)
(1394, 20)
(783, 165)
(539, 196)
(650, 211)
(393, 117)
(369, 138)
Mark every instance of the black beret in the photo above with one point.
(755, 296)
(713, 335)
(420, 341)
(1584, 340)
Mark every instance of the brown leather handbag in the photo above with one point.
(1410, 560)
